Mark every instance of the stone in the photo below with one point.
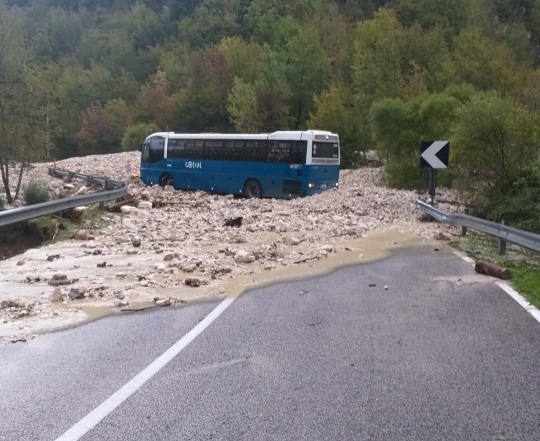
(145, 205)
(136, 242)
(163, 302)
(192, 282)
(82, 190)
(20, 262)
(242, 256)
(441, 236)
(292, 241)
(8, 303)
(57, 296)
(75, 294)
(189, 268)
(144, 283)
(126, 209)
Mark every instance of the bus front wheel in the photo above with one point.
(252, 189)
(166, 180)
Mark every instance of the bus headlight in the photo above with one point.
(311, 185)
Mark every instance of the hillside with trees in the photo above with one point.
(81, 77)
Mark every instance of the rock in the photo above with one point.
(189, 268)
(233, 222)
(136, 242)
(20, 262)
(82, 190)
(59, 277)
(441, 236)
(126, 209)
(57, 296)
(102, 265)
(164, 302)
(192, 282)
(328, 248)
(117, 303)
(292, 241)
(145, 205)
(68, 186)
(52, 257)
(243, 256)
(168, 257)
(81, 235)
(144, 283)
(75, 294)
(8, 303)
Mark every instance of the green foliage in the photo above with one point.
(136, 134)
(243, 107)
(35, 193)
(2, 203)
(496, 144)
(400, 126)
(334, 111)
(518, 203)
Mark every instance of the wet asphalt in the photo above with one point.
(324, 358)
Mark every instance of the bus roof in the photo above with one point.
(283, 134)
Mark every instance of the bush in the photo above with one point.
(136, 134)
(36, 193)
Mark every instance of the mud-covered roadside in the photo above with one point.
(172, 247)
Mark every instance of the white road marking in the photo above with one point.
(531, 309)
(104, 409)
(521, 300)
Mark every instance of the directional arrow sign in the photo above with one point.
(434, 154)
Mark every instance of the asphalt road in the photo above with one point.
(326, 358)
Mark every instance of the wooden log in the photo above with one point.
(490, 269)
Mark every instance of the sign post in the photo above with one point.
(433, 156)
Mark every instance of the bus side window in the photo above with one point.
(175, 148)
(190, 149)
(157, 148)
(228, 150)
(238, 150)
(298, 152)
(198, 150)
(255, 151)
(278, 151)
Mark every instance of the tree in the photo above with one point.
(22, 138)
(334, 111)
(136, 134)
(242, 107)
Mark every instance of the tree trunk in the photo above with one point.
(4, 168)
(491, 269)
(19, 181)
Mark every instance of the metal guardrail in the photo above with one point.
(107, 184)
(522, 238)
(46, 208)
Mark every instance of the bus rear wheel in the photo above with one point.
(252, 189)
(166, 180)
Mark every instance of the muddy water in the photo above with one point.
(375, 245)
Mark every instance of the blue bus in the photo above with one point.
(284, 164)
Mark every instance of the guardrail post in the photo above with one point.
(464, 228)
(502, 243)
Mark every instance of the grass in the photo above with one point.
(56, 229)
(524, 265)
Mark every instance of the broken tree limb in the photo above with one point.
(491, 269)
